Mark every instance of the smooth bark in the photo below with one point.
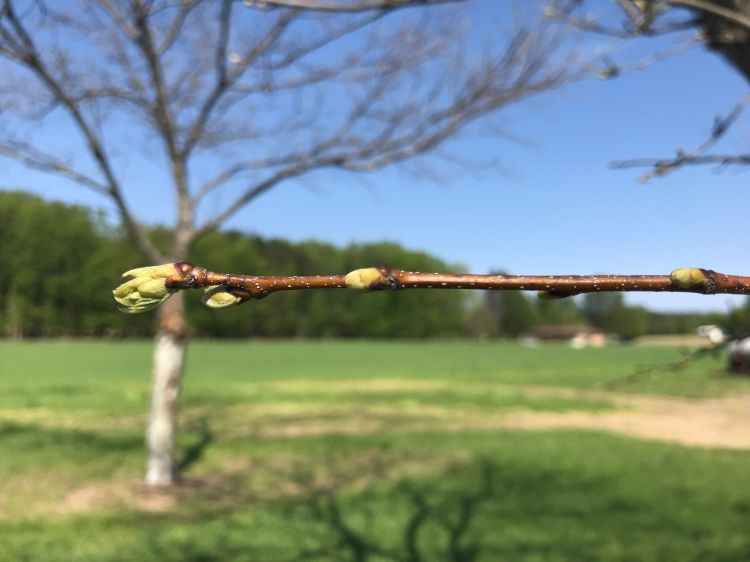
(169, 361)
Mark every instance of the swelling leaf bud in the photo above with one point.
(153, 271)
(156, 288)
(687, 277)
(364, 278)
(217, 296)
(147, 290)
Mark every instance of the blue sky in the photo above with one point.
(555, 208)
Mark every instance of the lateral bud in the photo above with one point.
(553, 295)
(370, 278)
(217, 296)
(689, 277)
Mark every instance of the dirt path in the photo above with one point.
(716, 422)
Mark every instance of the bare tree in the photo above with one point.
(242, 98)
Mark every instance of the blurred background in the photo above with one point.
(302, 137)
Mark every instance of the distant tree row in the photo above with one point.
(60, 261)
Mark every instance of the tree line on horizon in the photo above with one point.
(60, 262)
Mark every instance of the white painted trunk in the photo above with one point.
(162, 428)
(169, 358)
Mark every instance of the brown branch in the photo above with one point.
(641, 19)
(41, 161)
(551, 285)
(348, 7)
(161, 112)
(177, 25)
(152, 285)
(652, 370)
(167, 129)
(294, 163)
(255, 191)
(714, 8)
(663, 166)
(296, 54)
(221, 83)
(224, 78)
(615, 70)
(398, 130)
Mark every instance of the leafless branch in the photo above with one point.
(397, 129)
(207, 75)
(257, 189)
(642, 19)
(347, 6)
(225, 79)
(162, 113)
(177, 26)
(664, 166)
(714, 8)
(614, 69)
(41, 161)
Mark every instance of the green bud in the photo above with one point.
(132, 298)
(687, 277)
(363, 278)
(153, 271)
(126, 288)
(217, 296)
(146, 290)
(156, 288)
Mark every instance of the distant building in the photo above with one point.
(575, 336)
(739, 356)
(714, 334)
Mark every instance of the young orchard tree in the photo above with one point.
(244, 98)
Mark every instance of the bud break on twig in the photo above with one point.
(151, 286)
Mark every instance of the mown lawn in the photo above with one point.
(355, 451)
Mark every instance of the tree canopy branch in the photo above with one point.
(664, 166)
(35, 159)
(348, 6)
(224, 79)
(714, 8)
(255, 190)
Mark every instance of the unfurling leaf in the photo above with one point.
(147, 290)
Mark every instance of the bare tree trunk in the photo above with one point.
(169, 358)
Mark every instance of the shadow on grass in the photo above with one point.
(443, 520)
(202, 435)
(482, 510)
(31, 437)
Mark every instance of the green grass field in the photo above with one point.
(362, 451)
